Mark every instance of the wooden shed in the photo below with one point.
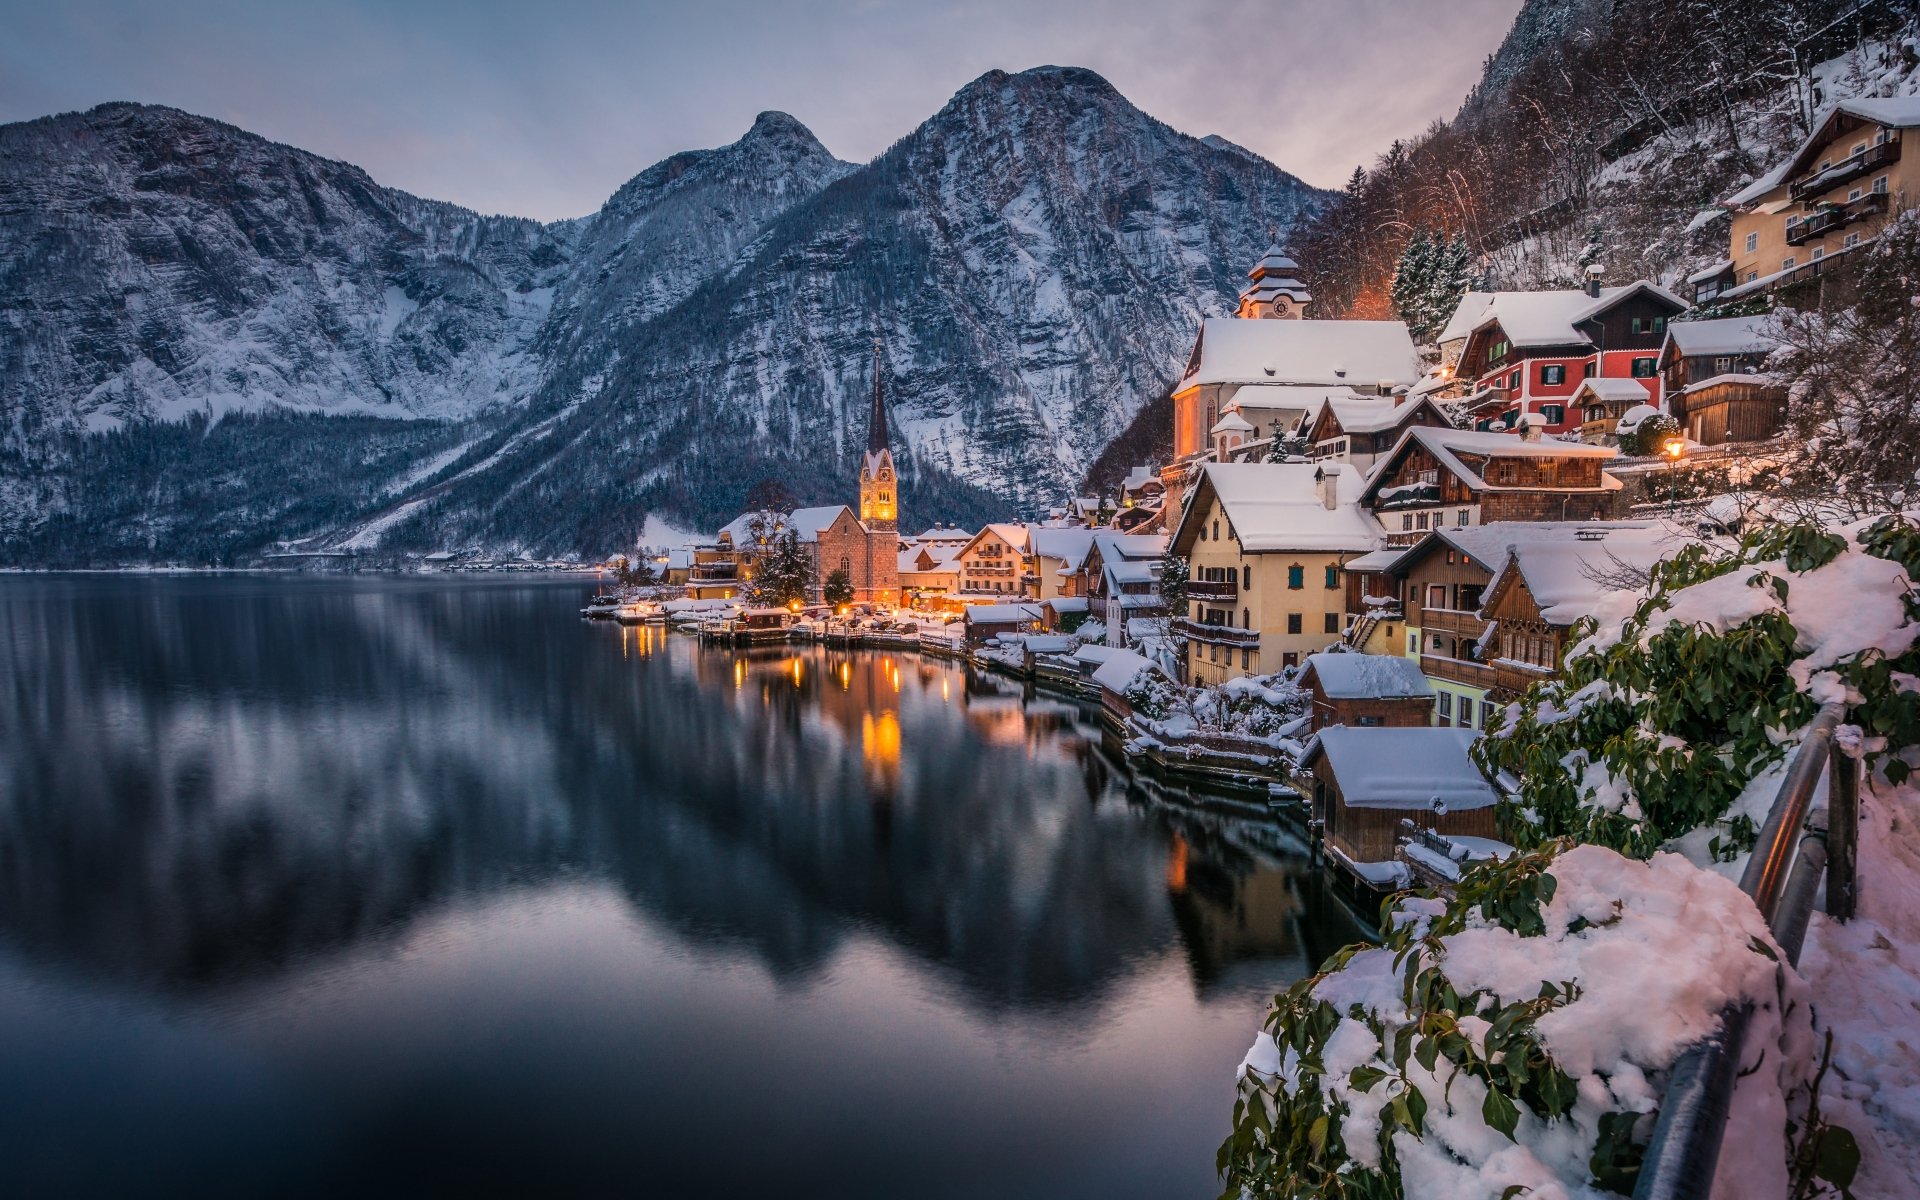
(1367, 690)
(1364, 782)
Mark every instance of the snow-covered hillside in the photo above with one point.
(1034, 256)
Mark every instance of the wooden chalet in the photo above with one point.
(1715, 380)
(1456, 478)
(1367, 691)
(1527, 352)
(1359, 429)
(1364, 782)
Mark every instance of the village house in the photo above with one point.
(1358, 429)
(1527, 352)
(1121, 574)
(1604, 403)
(985, 622)
(929, 576)
(1455, 478)
(1442, 581)
(1265, 545)
(1268, 366)
(1828, 198)
(1364, 782)
(1716, 384)
(1366, 691)
(992, 562)
(1542, 587)
(1052, 559)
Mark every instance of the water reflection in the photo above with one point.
(233, 796)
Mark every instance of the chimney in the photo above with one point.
(1594, 271)
(1327, 480)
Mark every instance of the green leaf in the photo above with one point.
(1363, 1078)
(1515, 1189)
(1838, 1159)
(1499, 1112)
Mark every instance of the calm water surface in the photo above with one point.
(383, 887)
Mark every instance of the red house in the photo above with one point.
(1528, 351)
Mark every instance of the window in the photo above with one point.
(1246, 619)
(1643, 368)
(1513, 380)
(1420, 521)
(1332, 623)
(1587, 369)
(1753, 275)
(1880, 186)
(1367, 722)
(1488, 714)
(1853, 239)
(1246, 578)
(1786, 264)
(1860, 148)
(1436, 596)
(1659, 324)
(1555, 414)
(1413, 643)
(1792, 220)
(1552, 373)
(1203, 533)
(1499, 350)
(1333, 577)
(1460, 518)
(1246, 658)
(1466, 712)
(1636, 329)
(1296, 577)
(1293, 622)
(1753, 242)
(1819, 252)
(1406, 521)
(1216, 531)
(1444, 707)
(1853, 194)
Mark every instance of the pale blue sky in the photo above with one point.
(542, 109)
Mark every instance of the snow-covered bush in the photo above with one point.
(1514, 1039)
(1668, 728)
(1258, 707)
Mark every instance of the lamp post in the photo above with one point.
(1675, 448)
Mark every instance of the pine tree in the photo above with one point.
(1412, 280)
(783, 573)
(837, 588)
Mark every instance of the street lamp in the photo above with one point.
(1675, 448)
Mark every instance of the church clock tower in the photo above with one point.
(879, 502)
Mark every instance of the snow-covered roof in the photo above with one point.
(1277, 506)
(1115, 546)
(939, 554)
(1232, 422)
(740, 530)
(1403, 768)
(1066, 543)
(1130, 570)
(1564, 574)
(949, 534)
(1548, 318)
(1286, 395)
(1632, 419)
(1727, 335)
(1448, 444)
(1739, 377)
(1368, 676)
(808, 522)
(1001, 614)
(1139, 477)
(1356, 353)
(1067, 604)
(1120, 669)
(1611, 387)
(1378, 560)
(1896, 112)
(1466, 315)
(1706, 273)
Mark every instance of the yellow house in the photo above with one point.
(1829, 197)
(1266, 545)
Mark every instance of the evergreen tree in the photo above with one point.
(783, 573)
(837, 588)
(1413, 283)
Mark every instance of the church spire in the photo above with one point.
(877, 419)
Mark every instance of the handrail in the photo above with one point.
(1782, 877)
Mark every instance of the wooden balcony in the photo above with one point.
(1217, 635)
(1512, 678)
(1452, 621)
(1457, 670)
(1825, 220)
(1847, 170)
(1213, 589)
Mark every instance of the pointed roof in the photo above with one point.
(877, 418)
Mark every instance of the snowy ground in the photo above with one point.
(1865, 982)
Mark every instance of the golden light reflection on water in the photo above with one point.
(880, 738)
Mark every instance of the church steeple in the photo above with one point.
(1277, 291)
(879, 499)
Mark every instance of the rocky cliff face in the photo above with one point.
(1034, 258)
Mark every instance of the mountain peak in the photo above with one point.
(773, 121)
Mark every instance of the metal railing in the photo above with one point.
(1783, 875)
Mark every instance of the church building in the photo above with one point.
(868, 549)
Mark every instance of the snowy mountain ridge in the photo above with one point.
(1034, 257)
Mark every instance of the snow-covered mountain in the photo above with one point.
(1034, 258)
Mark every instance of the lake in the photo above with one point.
(376, 886)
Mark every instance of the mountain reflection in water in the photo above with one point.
(424, 886)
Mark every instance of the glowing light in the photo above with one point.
(1177, 866)
(796, 672)
(880, 738)
(739, 673)
(846, 676)
(1674, 446)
